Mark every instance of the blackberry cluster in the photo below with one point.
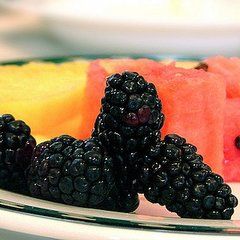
(125, 156)
(74, 172)
(16, 147)
(128, 125)
(175, 176)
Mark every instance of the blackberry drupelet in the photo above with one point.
(16, 147)
(74, 172)
(175, 176)
(128, 125)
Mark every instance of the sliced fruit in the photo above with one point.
(47, 96)
(231, 132)
(193, 104)
(144, 67)
(229, 68)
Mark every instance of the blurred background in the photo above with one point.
(39, 28)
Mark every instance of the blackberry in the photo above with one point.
(128, 125)
(16, 147)
(176, 177)
(74, 172)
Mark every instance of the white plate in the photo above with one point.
(33, 217)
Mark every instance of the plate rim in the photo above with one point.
(66, 58)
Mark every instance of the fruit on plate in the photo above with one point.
(188, 102)
(16, 147)
(178, 178)
(74, 172)
(126, 156)
(229, 68)
(231, 140)
(47, 96)
(98, 71)
(128, 125)
(193, 110)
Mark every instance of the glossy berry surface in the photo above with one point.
(177, 177)
(74, 172)
(16, 147)
(128, 125)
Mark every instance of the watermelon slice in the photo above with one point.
(231, 131)
(94, 92)
(193, 109)
(229, 68)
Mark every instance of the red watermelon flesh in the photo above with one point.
(229, 68)
(94, 92)
(231, 131)
(98, 71)
(144, 67)
(193, 104)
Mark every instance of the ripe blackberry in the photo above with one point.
(130, 117)
(16, 147)
(74, 172)
(128, 125)
(176, 177)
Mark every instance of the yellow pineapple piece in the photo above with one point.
(47, 96)
(40, 138)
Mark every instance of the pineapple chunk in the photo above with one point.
(47, 96)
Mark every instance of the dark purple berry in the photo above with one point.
(74, 172)
(178, 178)
(136, 120)
(16, 147)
